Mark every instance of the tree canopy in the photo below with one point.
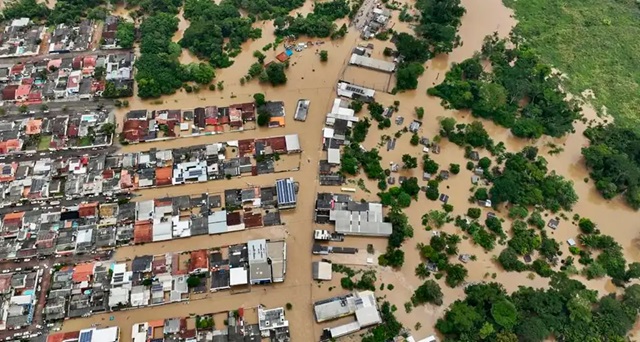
(25, 9)
(159, 71)
(319, 23)
(567, 310)
(126, 34)
(527, 182)
(210, 25)
(613, 157)
(520, 92)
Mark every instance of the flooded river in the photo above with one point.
(311, 79)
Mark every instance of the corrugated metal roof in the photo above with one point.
(286, 192)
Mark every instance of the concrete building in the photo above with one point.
(321, 270)
(355, 92)
(372, 63)
(364, 219)
(361, 304)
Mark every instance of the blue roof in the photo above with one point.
(286, 192)
(85, 336)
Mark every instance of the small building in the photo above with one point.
(302, 109)
(553, 223)
(355, 92)
(333, 156)
(372, 63)
(321, 270)
(286, 192)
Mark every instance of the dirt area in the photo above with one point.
(311, 79)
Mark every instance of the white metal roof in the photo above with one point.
(238, 276)
(372, 63)
(292, 141)
(333, 156)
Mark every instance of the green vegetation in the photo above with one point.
(126, 34)
(614, 162)
(212, 24)
(557, 29)
(25, 9)
(428, 292)
(275, 74)
(324, 55)
(388, 330)
(520, 93)
(155, 6)
(158, 69)
(320, 23)
(266, 9)
(437, 253)
(472, 134)
(436, 33)
(401, 196)
(525, 182)
(354, 157)
(568, 311)
(407, 75)
(204, 322)
(476, 231)
(360, 130)
(72, 11)
(193, 281)
(409, 162)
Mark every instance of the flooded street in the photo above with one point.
(311, 79)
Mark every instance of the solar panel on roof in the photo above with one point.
(195, 173)
(86, 336)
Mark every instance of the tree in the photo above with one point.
(394, 257)
(504, 313)
(324, 55)
(256, 69)
(356, 106)
(429, 165)
(455, 275)
(428, 292)
(125, 34)
(509, 260)
(415, 140)
(193, 281)
(439, 22)
(201, 73)
(481, 194)
(404, 200)
(409, 161)
(360, 130)
(432, 193)
(484, 163)
(260, 56)
(275, 74)
(454, 168)
(25, 9)
(419, 112)
(407, 75)
(108, 128)
(259, 99)
(474, 213)
(586, 226)
(263, 118)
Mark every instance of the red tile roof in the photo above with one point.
(199, 260)
(82, 272)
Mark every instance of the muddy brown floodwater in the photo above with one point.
(311, 79)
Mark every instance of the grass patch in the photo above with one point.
(44, 143)
(594, 42)
(85, 141)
